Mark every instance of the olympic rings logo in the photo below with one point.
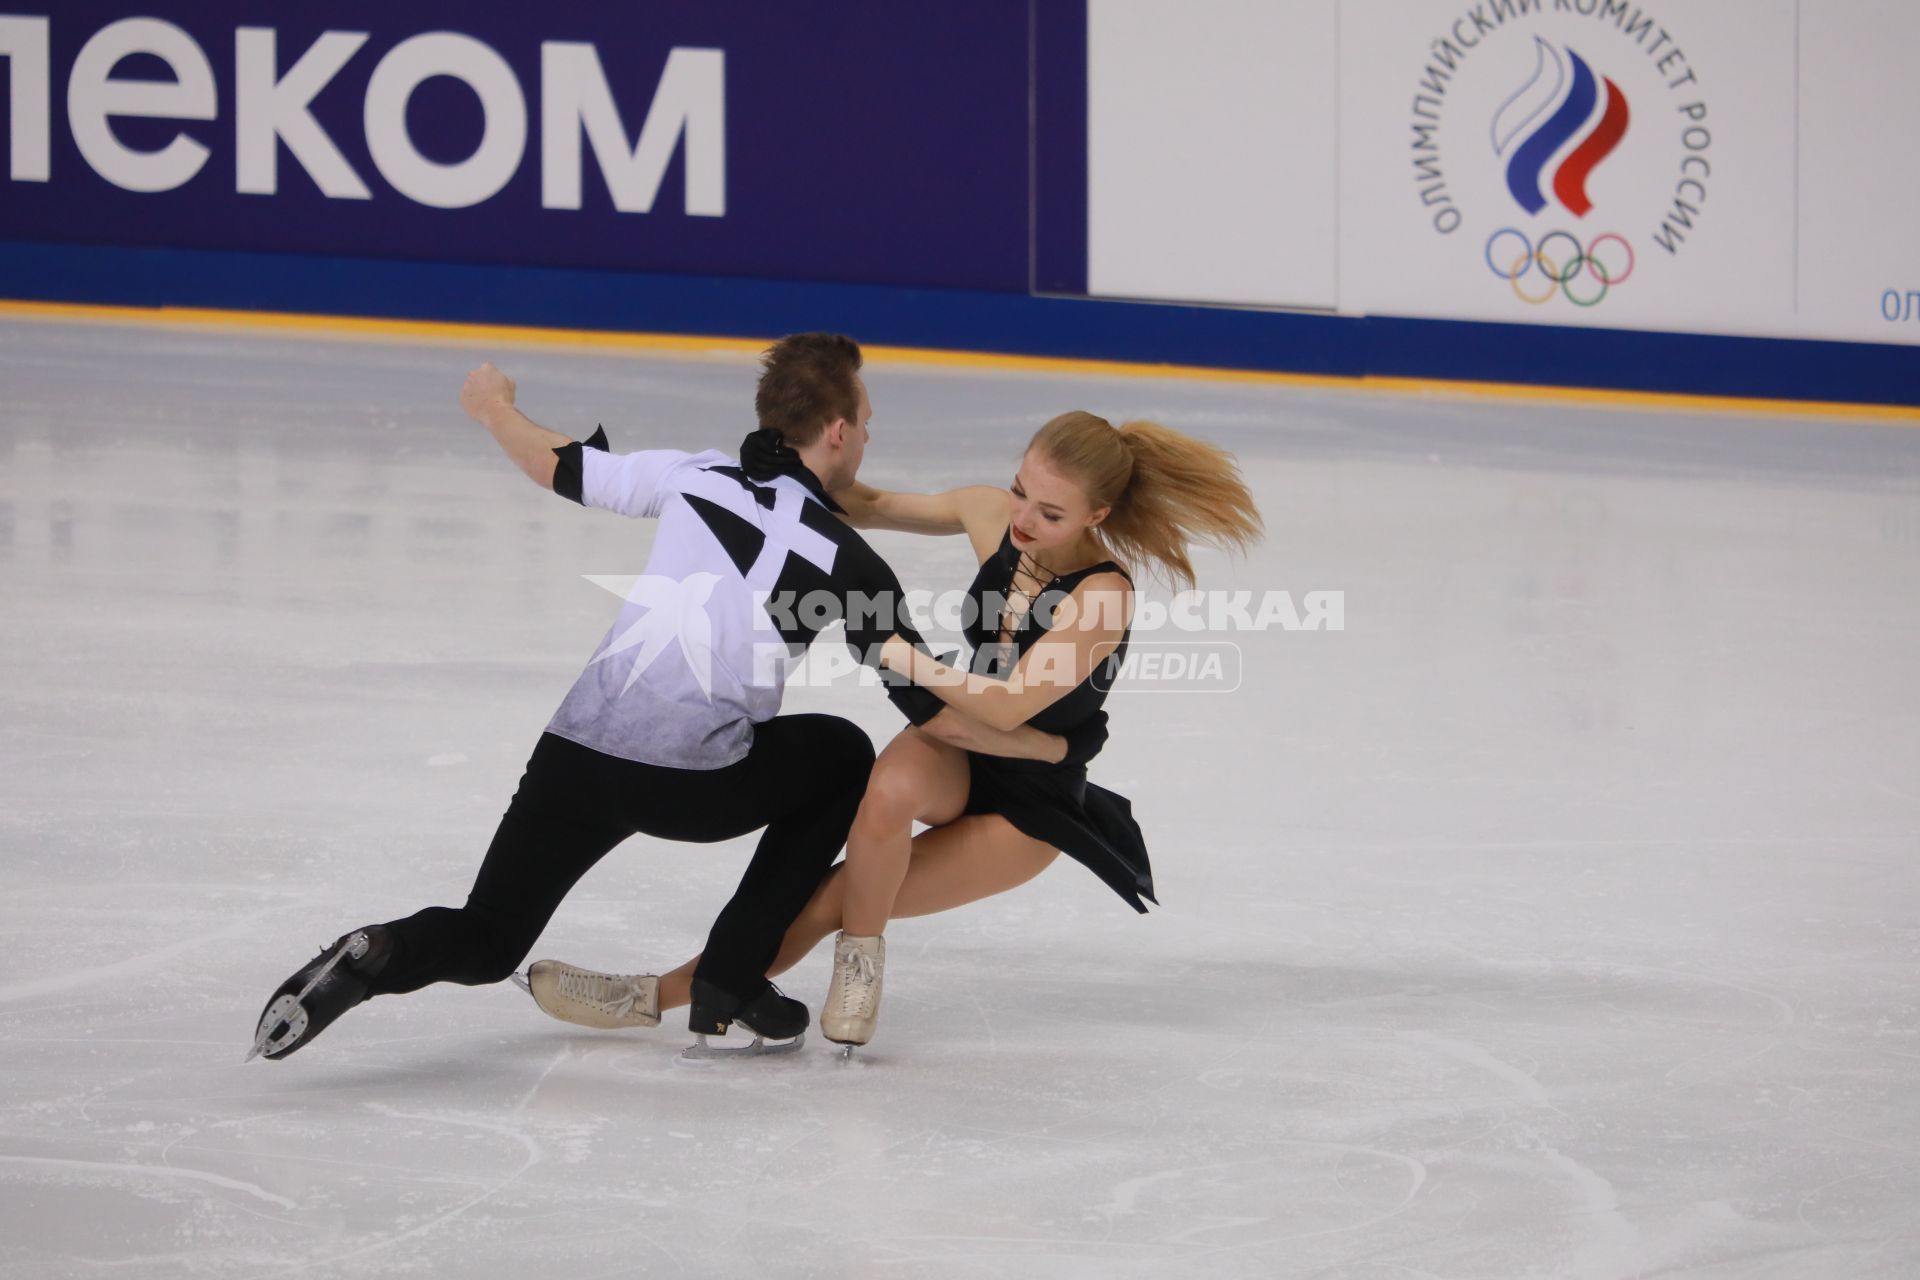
(1561, 267)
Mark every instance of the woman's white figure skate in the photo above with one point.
(619, 1001)
(586, 998)
(853, 1001)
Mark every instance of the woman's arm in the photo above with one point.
(1046, 673)
(977, 510)
(957, 728)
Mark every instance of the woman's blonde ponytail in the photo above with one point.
(1166, 490)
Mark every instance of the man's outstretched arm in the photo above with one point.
(488, 399)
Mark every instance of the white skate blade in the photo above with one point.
(287, 1009)
(292, 1010)
(843, 1050)
(520, 980)
(701, 1050)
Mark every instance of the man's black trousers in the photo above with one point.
(802, 781)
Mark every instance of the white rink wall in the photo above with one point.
(1342, 157)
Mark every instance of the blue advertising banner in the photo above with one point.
(912, 174)
(857, 140)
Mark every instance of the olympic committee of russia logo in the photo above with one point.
(1567, 140)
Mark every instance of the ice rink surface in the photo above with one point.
(1559, 917)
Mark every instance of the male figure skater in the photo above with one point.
(672, 729)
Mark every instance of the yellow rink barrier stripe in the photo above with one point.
(611, 342)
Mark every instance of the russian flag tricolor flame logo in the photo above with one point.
(1556, 103)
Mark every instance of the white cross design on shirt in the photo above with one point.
(786, 534)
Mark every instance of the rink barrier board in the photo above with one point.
(607, 342)
(964, 327)
(990, 167)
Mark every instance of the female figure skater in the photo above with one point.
(1047, 616)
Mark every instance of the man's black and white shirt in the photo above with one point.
(742, 575)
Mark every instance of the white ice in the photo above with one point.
(1559, 917)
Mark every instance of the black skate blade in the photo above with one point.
(702, 1051)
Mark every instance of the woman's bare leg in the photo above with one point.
(969, 859)
(917, 778)
(819, 918)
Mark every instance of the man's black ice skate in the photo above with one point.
(769, 1015)
(332, 983)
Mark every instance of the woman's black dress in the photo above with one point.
(1054, 803)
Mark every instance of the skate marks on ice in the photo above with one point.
(1517, 881)
(82, 1170)
(1534, 1159)
(140, 966)
(518, 1128)
(1220, 1186)
(534, 1155)
(355, 1185)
